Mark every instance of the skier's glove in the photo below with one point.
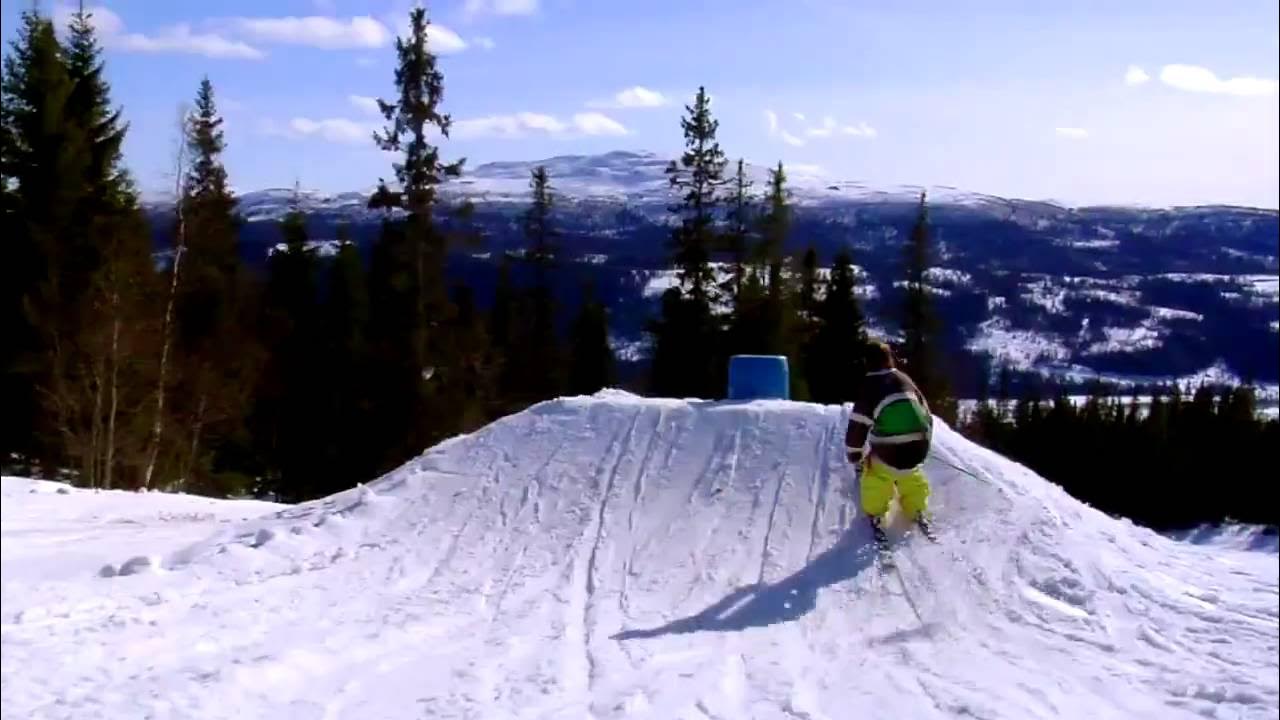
(854, 455)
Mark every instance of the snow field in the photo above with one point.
(617, 557)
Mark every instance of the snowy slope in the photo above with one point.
(613, 557)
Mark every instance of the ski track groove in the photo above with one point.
(768, 530)
(620, 446)
(642, 472)
(820, 485)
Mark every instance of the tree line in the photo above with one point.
(1172, 462)
(740, 291)
(190, 369)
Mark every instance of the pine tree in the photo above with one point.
(539, 353)
(287, 402)
(688, 355)
(919, 325)
(90, 105)
(697, 178)
(43, 160)
(344, 429)
(591, 360)
(808, 300)
(215, 355)
(738, 234)
(502, 339)
(778, 316)
(81, 292)
(412, 315)
(837, 368)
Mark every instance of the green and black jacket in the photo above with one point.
(891, 413)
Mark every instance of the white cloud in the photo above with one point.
(1193, 78)
(828, 129)
(806, 169)
(443, 41)
(790, 139)
(594, 123)
(523, 124)
(330, 33)
(473, 8)
(339, 130)
(771, 117)
(180, 39)
(318, 31)
(485, 43)
(1135, 76)
(632, 97)
(173, 39)
(103, 20)
(860, 130)
(364, 103)
(1073, 133)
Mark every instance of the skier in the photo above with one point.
(888, 438)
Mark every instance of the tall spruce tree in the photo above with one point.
(44, 160)
(688, 355)
(778, 326)
(697, 178)
(921, 337)
(539, 354)
(416, 400)
(592, 365)
(738, 233)
(344, 429)
(836, 362)
(215, 354)
(287, 402)
(78, 249)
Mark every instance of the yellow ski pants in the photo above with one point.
(877, 483)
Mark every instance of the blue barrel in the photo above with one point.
(753, 377)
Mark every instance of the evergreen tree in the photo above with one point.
(43, 162)
(287, 404)
(778, 326)
(591, 359)
(77, 305)
(688, 355)
(89, 104)
(808, 300)
(416, 359)
(215, 355)
(738, 234)
(539, 352)
(502, 338)
(920, 347)
(344, 440)
(837, 362)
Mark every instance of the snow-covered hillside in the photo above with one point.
(616, 557)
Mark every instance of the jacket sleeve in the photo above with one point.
(860, 422)
(913, 388)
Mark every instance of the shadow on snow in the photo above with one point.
(764, 604)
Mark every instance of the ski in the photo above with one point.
(884, 552)
(926, 529)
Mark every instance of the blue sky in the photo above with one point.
(1135, 102)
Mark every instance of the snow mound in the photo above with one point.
(613, 557)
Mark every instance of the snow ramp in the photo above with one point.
(620, 557)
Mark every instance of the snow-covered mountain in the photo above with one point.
(638, 179)
(1073, 292)
(616, 557)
